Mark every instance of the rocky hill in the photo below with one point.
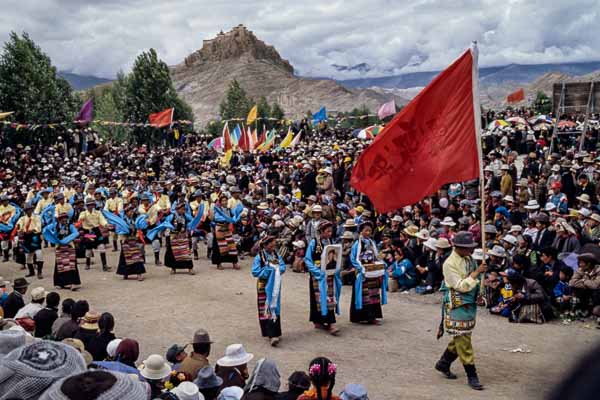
(203, 77)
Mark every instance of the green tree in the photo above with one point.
(149, 89)
(106, 108)
(277, 112)
(543, 104)
(264, 112)
(236, 103)
(30, 87)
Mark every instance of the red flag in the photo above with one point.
(226, 138)
(161, 119)
(516, 97)
(244, 142)
(263, 137)
(431, 142)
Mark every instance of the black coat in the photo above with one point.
(543, 239)
(14, 302)
(309, 184)
(44, 320)
(97, 345)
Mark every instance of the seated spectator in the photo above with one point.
(45, 318)
(264, 382)
(67, 308)
(231, 393)
(586, 284)
(552, 267)
(198, 359)
(88, 328)
(28, 371)
(529, 301)
(92, 385)
(298, 383)
(322, 374)
(155, 371)
(187, 391)
(233, 367)
(126, 355)
(70, 327)
(175, 355)
(97, 344)
(208, 383)
(38, 296)
(403, 271)
(78, 345)
(562, 295)
(14, 301)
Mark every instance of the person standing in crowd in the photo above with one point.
(7, 212)
(178, 253)
(29, 228)
(460, 290)
(131, 259)
(368, 293)
(62, 235)
(268, 268)
(324, 289)
(114, 205)
(224, 247)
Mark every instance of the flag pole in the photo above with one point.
(477, 113)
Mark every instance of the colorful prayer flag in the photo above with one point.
(387, 109)
(287, 140)
(85, 114)
(162, 118)
(252, 115)
(320, 116)
(516, 97)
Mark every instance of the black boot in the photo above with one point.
(196, 255)
(443, 365)
(115, 248)
(157, 258)
(31, 271)
(88, 263)
(5, 256)
(40, 266)
(103, 259)
(472, 378)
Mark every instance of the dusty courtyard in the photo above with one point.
(394, 360)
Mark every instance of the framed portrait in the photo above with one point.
(331, 259)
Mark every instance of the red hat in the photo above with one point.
(555, 185)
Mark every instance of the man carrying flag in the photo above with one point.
(433, 141)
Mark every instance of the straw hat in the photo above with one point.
(411, 230)
(78, 344)
(155, 368)
(350, 223)
(347, 235)
(442, 243)
(90, 320)
(235, 355)
(595, 217)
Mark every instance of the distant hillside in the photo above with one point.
(82, 82)
(514, 73)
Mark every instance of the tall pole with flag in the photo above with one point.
(477, 116)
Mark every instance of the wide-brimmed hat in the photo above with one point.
(262, 206)
(411, 230)
(187, 391)
(20, 283)
(78, 344)
(354, 391)
(201, 337)
(532, 205)
(464, 239)
(584, 198)
(516, 228)
(299, 244)
(350, 223)
(430, 243)
(155, 367)
(38, 293)
(231, 393)
(478, 254)
(317, 209)
(90, 320)
(588, 257)
(235, 355)
(498, 251)
(207, 378)
(510, 239)
(509, 199)
(442, 243)
(397, 218)
(595, 217)
(423, 234)
(347, 235)
(448, 221)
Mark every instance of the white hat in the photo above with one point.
(448, 222)
(498, 251)
(423, 234)
(299, 244)
(532, 205)
(478, 254)
(187, 391)
(317, 208)
(442, 243)
(430, 243)
(111, 347)
(550, 206)
(510, 239)
(397, 218)
(231, 393)
(155, 368)
(504, 167)
(328, 170)
(516, 228)
(38, 293)
(235, 355)
(585, 212)
(509, 199)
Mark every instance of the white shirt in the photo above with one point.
(29, 311)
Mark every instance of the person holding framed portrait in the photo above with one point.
(325, 284)
(370, 288)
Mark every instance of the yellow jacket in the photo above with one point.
(43, 203)
(6, 212)
(457, 273)
(62, 208)
(91, 220)
(152, 212)
(30, 224)
(113, 205)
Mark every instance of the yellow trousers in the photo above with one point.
(462, 346)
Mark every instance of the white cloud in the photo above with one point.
(101, 37)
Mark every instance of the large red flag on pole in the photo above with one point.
(162, 118)
(516, 96)
(433, 141)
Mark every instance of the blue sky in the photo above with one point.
(102, 37)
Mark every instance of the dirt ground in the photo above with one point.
(394, 360)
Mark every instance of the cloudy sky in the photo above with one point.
(100, 37)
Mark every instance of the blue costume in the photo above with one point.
(268, 268)
(368, 294)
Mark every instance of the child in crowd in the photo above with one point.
(562, 295)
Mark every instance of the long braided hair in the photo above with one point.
(322, 373)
